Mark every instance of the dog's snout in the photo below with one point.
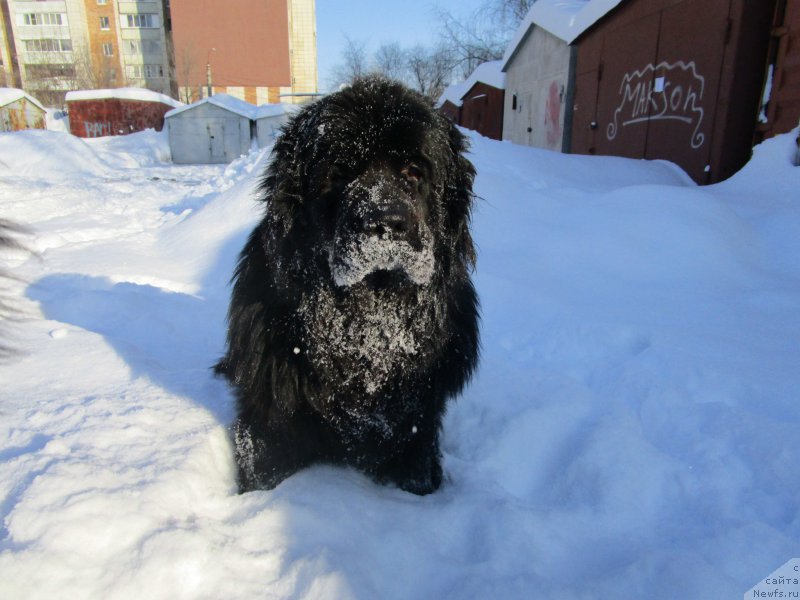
(393, 221)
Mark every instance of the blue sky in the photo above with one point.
(374, 23)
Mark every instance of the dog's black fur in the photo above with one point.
(353, 317)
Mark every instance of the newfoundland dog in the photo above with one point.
(353, 318)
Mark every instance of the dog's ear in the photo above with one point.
(283, 181)
(284, 184)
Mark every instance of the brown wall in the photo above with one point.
(451, 111)
(112, 116)
(783, 109)
(673, 79)
(251, 38)
(482, 110)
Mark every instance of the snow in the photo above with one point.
(488, 73)
(9, 95)
(565, 19)
(765, 96)
(140, 94)
(453, 92)
(231, 103)
(631, 432)
(354, 256)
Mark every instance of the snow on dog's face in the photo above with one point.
(382, 227)
(369, 187)
(375, 178)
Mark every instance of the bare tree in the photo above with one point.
(430, 69)
(392, 61)
(185, 66)
(354, 63)
(511, 11)
(100, 73)
(51, 77)
(426, 69)
(483, 35)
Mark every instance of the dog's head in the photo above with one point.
(369, 187)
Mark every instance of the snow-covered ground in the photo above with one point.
(632, 431)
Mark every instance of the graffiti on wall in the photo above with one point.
(661, 92)
(96, 129)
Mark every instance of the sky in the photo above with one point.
(407, 22)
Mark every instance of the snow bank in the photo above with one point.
(48, 154)
(631, 432)
(139, 149)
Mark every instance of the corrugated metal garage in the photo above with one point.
(20, 111)
(120, 111)
(449, 103)
(217, 129)
(482, 110)
(678, 80)
(477, 103)
(539, 64)
(270, 118)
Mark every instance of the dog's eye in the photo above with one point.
(413, 173)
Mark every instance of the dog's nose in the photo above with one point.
(388, 221)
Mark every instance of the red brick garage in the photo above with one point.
(96, 113)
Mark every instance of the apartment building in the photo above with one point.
(50, 47)
(257, 50)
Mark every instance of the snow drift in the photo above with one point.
(632, 431)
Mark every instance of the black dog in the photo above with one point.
(353, 318)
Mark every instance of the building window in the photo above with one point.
(142, 21)
(48, 45)
(43, 19)
(144, 71)
(50, 71)
(108, 49)
(139, 47)
(104, 25)
(153, 71)
(102, 2)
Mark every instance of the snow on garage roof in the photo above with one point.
(565, 19)
(453, 92)
(239, 107)
(488, 73)
(9, 95)
(123, 94)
